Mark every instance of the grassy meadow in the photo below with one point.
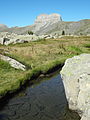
(40, 57)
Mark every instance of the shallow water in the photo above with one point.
(43, 101)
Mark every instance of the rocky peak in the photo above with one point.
(44, 18)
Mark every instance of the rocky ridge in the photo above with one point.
(76, 78)
(3, 27)
(52, 24)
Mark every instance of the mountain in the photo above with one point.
(3, 27)
(81, 27)
(51, 24)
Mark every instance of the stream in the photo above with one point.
(43, 100)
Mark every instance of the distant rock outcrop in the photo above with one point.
(7, 38)
(45, 20)
(76, 78)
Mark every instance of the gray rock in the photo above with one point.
(76, 78)
(1, 41)
(5, 37)
(8, 38)
(45, 20)
(12, 38)
(13, 62)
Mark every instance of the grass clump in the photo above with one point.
(9, 78)
(5, 65)
(87, 45)
(75, 50)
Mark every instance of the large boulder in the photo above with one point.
(14, 63)
(5, 37)
(76, 78)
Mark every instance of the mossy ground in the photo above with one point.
(39, 57)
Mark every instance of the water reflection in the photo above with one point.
(43, 101)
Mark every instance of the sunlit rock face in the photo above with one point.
(45, 20)
(76, 78)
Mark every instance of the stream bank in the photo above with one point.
(43, 100)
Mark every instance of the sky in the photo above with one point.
(24, 12)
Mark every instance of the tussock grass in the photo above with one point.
(41, 57)
(75, 49)
(87, 45)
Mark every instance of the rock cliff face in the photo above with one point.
(76, 78)
(44, 20)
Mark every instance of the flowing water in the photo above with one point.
(43, 100)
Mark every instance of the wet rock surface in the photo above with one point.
(44, 101)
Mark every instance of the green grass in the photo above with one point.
(9, 78)
(87, 45)
(75, 49)
(40, 57)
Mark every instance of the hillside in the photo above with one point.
(52, 24)
(3, 27)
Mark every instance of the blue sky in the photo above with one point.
(24, 12)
